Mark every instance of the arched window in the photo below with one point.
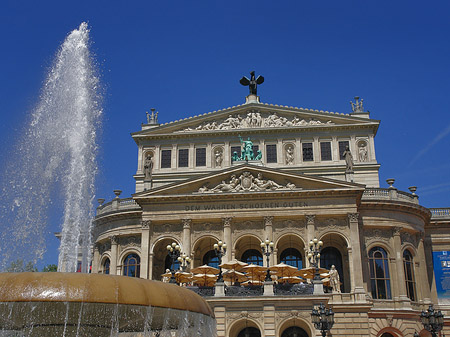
(168, 264)
(106, 265)
(387, 334)
(379, 273)
(132, 265)
(252, 256)
(408, 266)
(292, 257)
(294, 331)
(211, 259)
(249, 332)
(332, 256)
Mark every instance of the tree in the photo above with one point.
(50, 268)
(19, 266)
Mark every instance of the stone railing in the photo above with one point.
(203, 291)
(372, 193)
(440, 212)
(244, 291)
(117, 205)
(293, 289)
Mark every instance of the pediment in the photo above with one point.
(249, 179)
(257, 116)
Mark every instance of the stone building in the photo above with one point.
(308, 174)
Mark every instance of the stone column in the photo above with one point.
(400, 275)
(269, 320)
(356, 253)
(335, 149)
(145, 248)
(95, 259)
(310, 229)
(316, 150)
(209, 156)
(150, 266)
(351, 267)
(268, 233)
(280, 154)
(422, 274)
(191, 156)
(226, 155)
(186, 242)
(174, 159)
(227, 239)
(114, 257)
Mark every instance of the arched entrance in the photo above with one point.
(294, 331)
(249, 332)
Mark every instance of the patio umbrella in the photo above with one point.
(180, 276)
(234, 276)
(254, 271)
(233, 264)
(205, 269)
(205, 279)
(290, 279)
(283, 270)
(310, 271)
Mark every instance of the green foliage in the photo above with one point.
(19, 266)
(50, 268)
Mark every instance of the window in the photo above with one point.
(252, 256)
(166, 158)
(342, 146)
(294, 331)
(168, 264)
(307, 152)
(292, 257)
(132, 265)
(200, 157)
(106, 265)
(408, 266)
(325, 151)
(271, 153)
(249, 332)
(379, 273)
(236, 149)
(183, 157)
(211, 259)
(332, 256)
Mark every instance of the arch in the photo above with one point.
(292, 257)
(246, 242)
(241, 324)
(381, 244)
(290, 241)
(252, 256)
(389, 331)
(249, 332)
(160, 254)
(294, 331)
(128, 250)
(201, 247)
(296, 321)
(410, 279)
(379, 273)
(335, 252)
(105, 265)
(211, 259)
(132, 265)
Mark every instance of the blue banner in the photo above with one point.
(441, 265)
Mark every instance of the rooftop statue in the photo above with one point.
(358, 105)
(153, 117)
(252, 82)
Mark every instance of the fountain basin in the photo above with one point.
(66, 304)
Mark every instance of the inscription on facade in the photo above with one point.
(246, 205)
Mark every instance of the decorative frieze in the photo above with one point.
(103, 247)
(130, 241)
(280, 315)
(233, 316)
(145, 224)
(373, 235)
(411, 238)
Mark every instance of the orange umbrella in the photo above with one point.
(310, 271)
(180, 277)
(283, 270)
(234, 276)
(254, 271)
(205, 269)
(233, 264)
(205, 279)
(290, 279)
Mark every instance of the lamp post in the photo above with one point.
(174, 252)
(184, 261)
(432, 320)
(314, 256)
(323, 319)
(267, 249)
(220, 248)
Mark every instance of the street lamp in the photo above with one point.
(220, 248)
(184, 261)
(323, 319)
(174, 252)
(267, 249)
(432, 320)
(314, 256)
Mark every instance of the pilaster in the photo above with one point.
(113, 266)
(95, 260)
(310, 232)
(353, 219)
(401, 285)
(186, 241)
(227, 238)
(145, 247)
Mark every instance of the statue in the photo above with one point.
(348, 159)
(227, 187)
(335, 283)
(362, 154)
(289, 155)
(252, 82)
(247, 149)
(153, 117)
(218, 157)
(358, 105)
(266, 184)
(166, 279)
(258, 155)
(235, 156)
(148, 168)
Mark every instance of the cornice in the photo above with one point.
(117, 215)
(393, 205)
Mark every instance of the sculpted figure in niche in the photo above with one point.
(335, 283)
(362, 153)
(218, 157)
(348, 159)
(289, 155)
(148, 167)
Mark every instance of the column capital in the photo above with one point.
(114, 239)
(310, 218)
(186, 223)
(396, 230)
(227, 221)
(145, 224)
(353, 217)
(268, 220)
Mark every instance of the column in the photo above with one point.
(150, 265)
(400, 275)
(191, 156)
(356, 253)
(371, 151)
(226, 155)
(209, 156)
(113, 265)
(310, 229)
(422, 275)
(335, 149)
(269, 320)
(268, 233)
(227, 239)
(280, 154)
(95, 259)
(316, 150)
(186, 240)
(298, 151)
(145, 247)
(174, 160)
(351, 267)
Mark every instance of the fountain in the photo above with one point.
(60, 146)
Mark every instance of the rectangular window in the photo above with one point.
(307, 152)
(183, 157)
(271, 153)
(236, 149)
(166, 158)
(342, 145)
(200, 157)
(325, 151)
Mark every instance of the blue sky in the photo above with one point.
(186, 58)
